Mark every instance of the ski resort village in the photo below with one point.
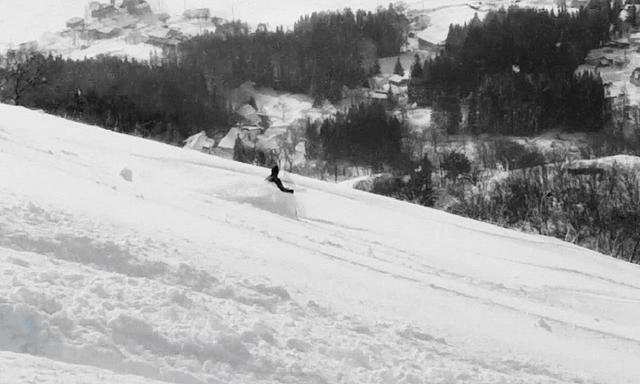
(322, 192)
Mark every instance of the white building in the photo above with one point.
(199, 142)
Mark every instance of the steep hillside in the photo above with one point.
(125, 260)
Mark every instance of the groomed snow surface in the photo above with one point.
(129, 261)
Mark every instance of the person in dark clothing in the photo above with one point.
(274, 179)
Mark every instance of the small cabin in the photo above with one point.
(197, 14)
(75, 23)
(105, 11)
(199, 142)
(635, 77)
(398, 81)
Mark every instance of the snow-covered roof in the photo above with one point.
(199, 141)
(589, 68)
(378, 95)
(229, 141)
(75, 22)
(395, 78)
(246, 110)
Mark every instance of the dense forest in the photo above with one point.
(515, 71)
(323, 52)
(166, 102)
(173, 97)
(363, 135)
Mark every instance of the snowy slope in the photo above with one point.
(197, 271)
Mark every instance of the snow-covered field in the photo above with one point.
(441, 20)
(125, 260)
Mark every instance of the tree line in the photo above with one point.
(324, 52)
(363, 135)
(167, 102)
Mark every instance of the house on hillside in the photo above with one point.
(378, 95)
(163, 17)
(125, 22)
(100, 33)
(232, 29)
(164, 37)
(135, 37)
(634, 38)
(588, 68)
(426, 45)
(618, 44)
(621, 61)
(578, 3)
(199, 142)
(104, 11)
(250, 116)
(241, 139)
(635, 77)
(599, 61)
(353, 96)
(197, 14)
(379, 83)
(227, 143)
(398, 81)
(75, 23)
(136, 7)
(250, 132)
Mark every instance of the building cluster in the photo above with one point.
(392, 88)
(617, 63)
(136, 23)
(253, 136)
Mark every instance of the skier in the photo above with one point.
(274, 179)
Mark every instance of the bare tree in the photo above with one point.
(24, 71)
(287, 147)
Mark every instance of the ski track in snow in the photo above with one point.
(124, 260)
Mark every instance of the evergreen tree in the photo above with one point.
(416, 68)
(376, 68)
(455, 164)
(398, 70)
(479, 60)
